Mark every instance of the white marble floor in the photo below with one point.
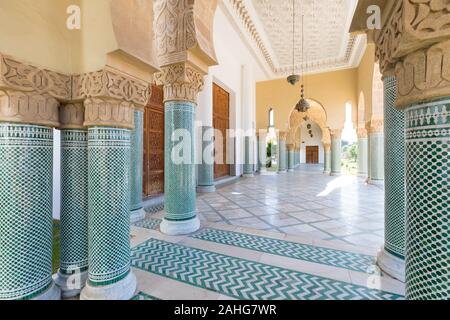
(303, 203)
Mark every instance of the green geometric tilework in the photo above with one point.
(179, 178)
(243, 279)
(291, 159)
(26, 177)
(141, 296)
(395, 160)
(206, 168)
(109, 205)
(427, 194)
(248, 165)
(152, 224)
(330, 257)
(137, 158)
(74, 201)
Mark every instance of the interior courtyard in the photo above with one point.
(224, 149)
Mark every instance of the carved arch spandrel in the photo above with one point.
(316, 114)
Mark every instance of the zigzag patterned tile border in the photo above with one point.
(329, 257)
(152, 224)
(143, 296)
(243, 279)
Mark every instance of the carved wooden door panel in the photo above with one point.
(221, 122)
(154, 144)
(312, 155)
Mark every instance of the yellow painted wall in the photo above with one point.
(35, 31)
(365, 79)
(332, 89)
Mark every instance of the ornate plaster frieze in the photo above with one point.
(108, 83)
(181, 82)
(16, 75)
(414, 44)
(71, 115)
(28, 107)
(108, 112)
(336, 134)
(181, 31)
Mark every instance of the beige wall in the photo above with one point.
(333, 90)
(365, 79)
(113, 32)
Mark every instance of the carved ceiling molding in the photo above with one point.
(181, 82)
(328, 45)
(415, 44)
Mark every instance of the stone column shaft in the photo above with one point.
(363, 153)
(262, 153)
(137, 166)
(26, 189)
(376, 152)
(327, 160)
(290, 153)
(282, 152)
(336, 150)
(391, 258)
(248, 163)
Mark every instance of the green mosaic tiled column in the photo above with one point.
(282, 154)
(376, 153)
(290, 158)
(109, 160)
(427, 200)
(336, 150)
(26, 220)
(392, 258)
(262, 154)
(72, 273)
(206, 168)
(137, 166)
(179, 170)
(248, 163)
(327, 159)
(363, 153)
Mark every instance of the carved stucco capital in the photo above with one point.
(327, 146)
(282, 135)
(376, 126)
(181, 82)
(290, 147)
(414, 45)
(71, 115)
(336, 134)
(28, 108)
(108, 112)
(362, 133)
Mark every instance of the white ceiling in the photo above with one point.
(327, 45)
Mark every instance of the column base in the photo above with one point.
(206, 189)
(290, 170)
(67, 283)
(376, 182)
(122, 290)
(392, 265)
(362, 176)
(178, 228)
(53, 293)
(262, 170)
(137, 215)
(282, 171)
(248, 175)
(327, 172)
(335, 174)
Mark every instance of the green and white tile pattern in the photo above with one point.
(395, 160)
(180, 184)
(26, 171)
(74, 201)
(137, 158)
(152, 224)
(243, 279)
(321, 255)
(427, 201)
(109, 205)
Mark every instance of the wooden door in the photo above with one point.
(221, 122)
(312, 155)
(154, 144)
